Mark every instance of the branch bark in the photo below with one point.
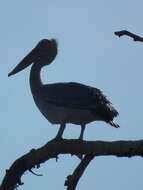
(127, 33)
(53, 148)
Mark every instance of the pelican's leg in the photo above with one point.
(81, 132)
(61, 130)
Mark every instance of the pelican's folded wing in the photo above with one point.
(73, 95)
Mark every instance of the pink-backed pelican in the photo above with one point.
(63, 103)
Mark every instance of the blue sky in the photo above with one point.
(89, 53)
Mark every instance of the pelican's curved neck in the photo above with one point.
(35, 79)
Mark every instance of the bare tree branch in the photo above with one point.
(127, 33)
(73, 179)
(53, 148)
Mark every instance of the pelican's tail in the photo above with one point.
(112, 123)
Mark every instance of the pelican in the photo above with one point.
(63, 103)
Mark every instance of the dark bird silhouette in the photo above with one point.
(63, 103)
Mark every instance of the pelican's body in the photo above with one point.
(63, 103)
(61, 108)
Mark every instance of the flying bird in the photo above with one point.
(68, 102)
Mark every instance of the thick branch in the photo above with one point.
(53, 148)
(127, 33)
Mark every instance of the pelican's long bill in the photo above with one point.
(27, 60)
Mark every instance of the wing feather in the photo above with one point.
(73, 95)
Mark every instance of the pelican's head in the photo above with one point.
(44, 53)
